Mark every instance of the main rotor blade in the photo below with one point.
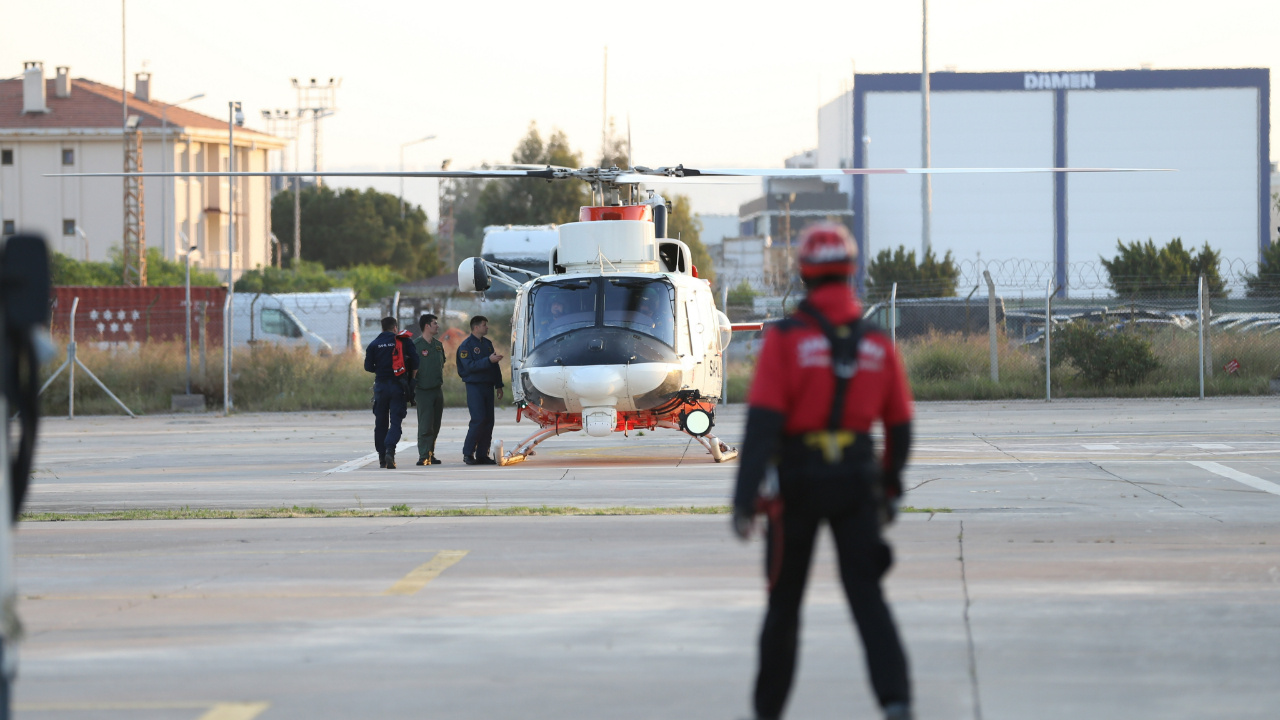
(684, 172)
(542, 173)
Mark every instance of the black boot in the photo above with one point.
(391, 459)
(434, 460)
(467, 459)
(382, 459)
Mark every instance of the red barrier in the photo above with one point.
(138, 314)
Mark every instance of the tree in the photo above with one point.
(1141, 270)
(65, 270)
(342, 229)
(1265, 282)
(535, 202)
(682, 225)
(929, 278)
(302, 277)
(370, 282)
(617, 150)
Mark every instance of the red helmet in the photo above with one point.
(826, 248)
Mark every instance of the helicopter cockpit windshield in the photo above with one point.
(645, 305)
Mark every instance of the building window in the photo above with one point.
(68, 227)
(68, 156)
(6, 157)
(9, 228)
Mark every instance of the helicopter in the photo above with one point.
(619, 333)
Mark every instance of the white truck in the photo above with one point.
(325, 322)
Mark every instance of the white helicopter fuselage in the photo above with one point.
(621, 334)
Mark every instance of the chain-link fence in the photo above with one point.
(989, 340)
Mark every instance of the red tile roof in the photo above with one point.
(94, 105)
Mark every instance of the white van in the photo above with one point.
(323, 322)
(330, 315)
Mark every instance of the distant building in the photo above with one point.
(1210, 125)
(75, 125)
(715, 228)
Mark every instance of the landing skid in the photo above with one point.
(525, 449)
(719, 450)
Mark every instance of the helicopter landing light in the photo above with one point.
(696, 422)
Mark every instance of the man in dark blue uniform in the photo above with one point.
(479, 369)
(392, 360)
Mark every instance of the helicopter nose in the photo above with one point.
(597, 384)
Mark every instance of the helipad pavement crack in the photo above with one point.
(922, 482)
(1153, 492)
(968, 631)
(996, 448)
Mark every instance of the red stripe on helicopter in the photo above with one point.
(615, 212)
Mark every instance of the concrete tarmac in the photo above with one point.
(1102, 559)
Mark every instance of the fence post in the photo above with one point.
(1200, 318)
(226, 356)
(1048, 352)
(893, 315)
(991, 326)
(1208, 332)
(201, 319)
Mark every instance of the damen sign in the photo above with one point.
(1059, 81)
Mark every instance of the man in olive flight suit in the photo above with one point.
(478, 367)
(429, 386)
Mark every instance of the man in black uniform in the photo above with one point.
(478, 367)
(392, 360)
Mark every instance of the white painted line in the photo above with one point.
(1244, 478)
(361, 462)
(1212, 446)
(1100, 447)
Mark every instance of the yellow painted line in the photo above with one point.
(226, 553)
(107, 706)
(213, 710)
(235, 711)
(425, 573)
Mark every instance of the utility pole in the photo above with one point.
(289, 121)
(604, 110)
(926, 187)
(321, 100)
(135, 227)
(444, 222)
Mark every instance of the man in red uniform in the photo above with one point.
(823, 379)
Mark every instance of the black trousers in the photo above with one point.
(864, 558)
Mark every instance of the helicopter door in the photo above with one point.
(517, 343)
(697, 332)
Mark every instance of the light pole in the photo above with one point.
(402, 147)
(926, 181)
(164, 153)
(85, 238)
(234, 117)
(191, 250)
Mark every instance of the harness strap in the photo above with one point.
(844, 341)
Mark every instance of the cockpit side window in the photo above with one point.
(642, 305)
(559, 307)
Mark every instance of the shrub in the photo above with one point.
(939, 361)
(1102, 353)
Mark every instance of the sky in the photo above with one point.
(702, 83)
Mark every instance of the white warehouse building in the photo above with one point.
(1210, 126)
(50, 126)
